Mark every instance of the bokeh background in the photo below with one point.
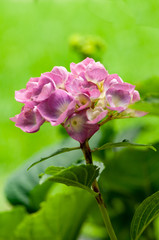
(35, 36)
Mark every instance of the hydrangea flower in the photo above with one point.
(80, 100)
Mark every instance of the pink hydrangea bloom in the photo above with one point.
(59, 75)
(80, 85)
(90, 70)
(29, 120)
(37, 90)
(119, 96)
(79, 128)
(81, 100)
(57, 107)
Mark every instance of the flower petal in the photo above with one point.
(80, 85)
(57, 107)
(29, 120)
(78, 128)
(118, 100)
(136, 96)
(96, 72)
(80, 67)
(111, 80)
(44, 93)
(59, 75)
(83, 101)
(23, 95)
(96, 115)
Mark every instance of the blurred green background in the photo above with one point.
(37, 35)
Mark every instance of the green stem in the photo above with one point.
(107, 222)
(88, 157)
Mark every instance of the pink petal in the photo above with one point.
(76, 69)
(83, 101)
(135, 113)
(59, 75)
(125, 87)
(32, 82)
(136, 96)
(29, 120)
(88, 61)
(118, 109)
(80, 67)
(140, 113)
(118, 100)
(23, 95)
(111, 80)
(44, 93)
(37, 90)
(96, 72)
(81, 86)
(70, 109)
(57, 107)
(96, 116)
(78, 128)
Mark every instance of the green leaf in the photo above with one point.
(78, 176)
(147, 211)
(25, 188)
(131, 172)
(130, 176)
(53, 170)
(60, 217)
(124, 143)
(59, 151)
(9, 220)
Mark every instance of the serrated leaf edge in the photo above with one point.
(75, 182)
(138, 235)
(71, 181)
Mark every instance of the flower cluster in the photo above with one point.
(81, 100)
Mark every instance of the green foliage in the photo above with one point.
(124, 143)
(60, 218)
(130, 176)
(53, 221)
(62, 150)
(9, 220)
(130, 30)
(23, 186)
(131, 171)
(144, 215)
(81, 176)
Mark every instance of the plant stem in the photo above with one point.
(88, 157)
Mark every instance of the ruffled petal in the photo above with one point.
(96, 72)
(83, 102)
(78, 128)
(29, 120)
(111, 80)
(23, 95)
(79, 68)
(118, 100)
(44, 93)
(80, 85)
(57, 107)
(135, 97)
(59, 75)
(96, 115)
